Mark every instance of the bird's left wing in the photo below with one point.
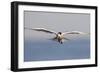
(75, 32)
(42, 30)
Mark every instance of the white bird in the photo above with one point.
(59, 35)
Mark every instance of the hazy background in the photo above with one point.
(39, 47)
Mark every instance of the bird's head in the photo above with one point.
(59, 33)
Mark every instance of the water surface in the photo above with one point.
(44, 50)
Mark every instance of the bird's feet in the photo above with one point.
(61, 42)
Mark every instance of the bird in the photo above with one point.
(59, 36)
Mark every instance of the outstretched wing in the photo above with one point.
(42, 30)
(74, 32)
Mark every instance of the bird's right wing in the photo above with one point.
(75, 32)
(42, 30)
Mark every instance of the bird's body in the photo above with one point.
(59, 36)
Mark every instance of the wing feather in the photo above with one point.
(42, 30)
(74, 32)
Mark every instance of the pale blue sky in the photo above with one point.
(56, 22)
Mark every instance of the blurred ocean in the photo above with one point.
(44, 50)
(39, 47)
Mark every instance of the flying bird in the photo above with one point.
(59, 36)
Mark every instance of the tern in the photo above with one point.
(59, 36)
